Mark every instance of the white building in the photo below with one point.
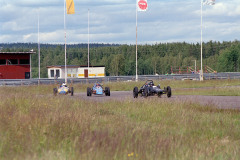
(76, 71)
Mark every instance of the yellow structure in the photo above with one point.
(76, 72)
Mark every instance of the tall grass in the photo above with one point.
(215, 91)
(36, 125)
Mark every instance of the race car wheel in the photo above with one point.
(107, 91)
(89, 92)
(169, 92)
(55, 91)
(145, 91)
(72, 91)
(135, 92)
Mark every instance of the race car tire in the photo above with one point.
(72, 91)
(89, 92)
(145, 91)
(169, 92)
(107, 91)
(135, 92)
(55, 91)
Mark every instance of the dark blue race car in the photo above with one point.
(97, 89)
(149, 89)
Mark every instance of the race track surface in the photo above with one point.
(223, 102)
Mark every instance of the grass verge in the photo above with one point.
(39, 126)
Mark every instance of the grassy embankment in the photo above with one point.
(41, 126)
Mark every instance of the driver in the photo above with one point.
(150, 84)
(63, 85)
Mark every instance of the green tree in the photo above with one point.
(229, 59)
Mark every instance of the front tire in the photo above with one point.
(72, 91)
(169, 91)
(145, 91)
(89, 92)
(107, 91)
(135, 92)
(55, 91)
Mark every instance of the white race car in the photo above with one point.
(63, 90)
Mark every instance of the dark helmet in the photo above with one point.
(151, 83)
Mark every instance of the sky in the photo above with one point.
(114, 22)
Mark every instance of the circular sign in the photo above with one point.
(142, 4)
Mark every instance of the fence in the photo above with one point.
(207, 76)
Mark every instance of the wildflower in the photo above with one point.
(131, 154)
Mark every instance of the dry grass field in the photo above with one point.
(34, 124)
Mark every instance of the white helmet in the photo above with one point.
(64, 84)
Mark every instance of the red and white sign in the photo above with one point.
(142, 5)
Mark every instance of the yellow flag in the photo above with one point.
(70, 7)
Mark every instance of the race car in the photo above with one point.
(97, 89)
(149, 89)
(63, 89)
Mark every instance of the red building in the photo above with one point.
(15, 65)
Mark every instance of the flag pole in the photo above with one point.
(201, 72)
(65, 41)
(39, 75)
(136, 42)
(88, 39)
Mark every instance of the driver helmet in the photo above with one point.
(64, 85)
(151, 84)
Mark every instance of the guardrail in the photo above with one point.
(207, 76)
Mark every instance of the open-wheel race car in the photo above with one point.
(97, 89)
(149, 89)
(63, 89)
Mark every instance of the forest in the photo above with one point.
(120, 59)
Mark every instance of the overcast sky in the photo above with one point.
(113, 21)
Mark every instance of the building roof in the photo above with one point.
(17, 52)
(72, 66)
(83, 66)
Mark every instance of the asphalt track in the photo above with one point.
(223, 102)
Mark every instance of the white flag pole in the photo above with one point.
(211, 2)
(39, 75)
(136, 40)
(65, 41)
(88, 39)
(201, 72)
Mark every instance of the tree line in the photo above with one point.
(160, 58)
